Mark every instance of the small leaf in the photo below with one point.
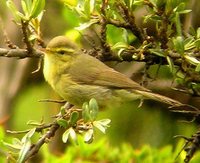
(102, 125)
(85, 112)
(93, 109)
(192, 60)
(87, 24)
(62, 123)
(158, 52)
(13, 9)
(198, 32)
(198, 68)
(25, 148)
(62, 110)
(69, 133)
(119, 45)
(73, 135)
(37, 7)
(15, 147)
(28, 135)
(65, 136)
(189, 43)
(24, 7)
(171, 64)
(26, 140)
(74, 117)
(197, 43)
(88, 137)
(179, 45)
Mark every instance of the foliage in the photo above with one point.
(170, 45)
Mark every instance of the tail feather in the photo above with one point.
(160, 98)
(175, 105)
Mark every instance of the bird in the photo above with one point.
(78, 77)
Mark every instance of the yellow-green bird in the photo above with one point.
(77, 77)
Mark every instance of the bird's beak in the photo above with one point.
(43, 50)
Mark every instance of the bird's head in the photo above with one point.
(61, 49)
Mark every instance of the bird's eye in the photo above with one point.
(62, 52)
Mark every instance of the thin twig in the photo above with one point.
(52, 100)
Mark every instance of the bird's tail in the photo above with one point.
(160, 98)
(175, 105)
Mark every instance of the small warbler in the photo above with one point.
(77, 77)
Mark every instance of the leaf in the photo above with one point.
(198, 32)
(93, 109)
(37, 7)
(74, 118)
(158, 52)
(24, 6)
(119, 45)
(171, 64)
(65, 136)
(26, 140)
(192, 60)
(69, 133)
(102, 125)
(189, 43)
(24, 150)
(88, 137)
(197, 43)
(73, 136)
(13, 9)
(62, 123)
(85, 112)
(179, 45)
(198, 68)
(28, 5)
(87, 24)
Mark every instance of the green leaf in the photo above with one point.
(24, 150)
(16, 146)
(85, 112)
(158, 52)
(28, 5)
(74, 118)
(197, 43)
(119, 45)
(171, 64)
(180, 7)
(93, 109)
(37, 7)
(137, 2)
(198, 32)
(13, 9)
(198, 68)
(62, 123)
(189, 43)
(179, 44)
(24, 7)
(87, 24)
(26, 140)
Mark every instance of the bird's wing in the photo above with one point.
(94, 72)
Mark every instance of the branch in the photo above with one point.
(20, 53)
(35, 148)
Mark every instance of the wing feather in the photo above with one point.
(94, 72)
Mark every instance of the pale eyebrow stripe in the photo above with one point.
(59, 49)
